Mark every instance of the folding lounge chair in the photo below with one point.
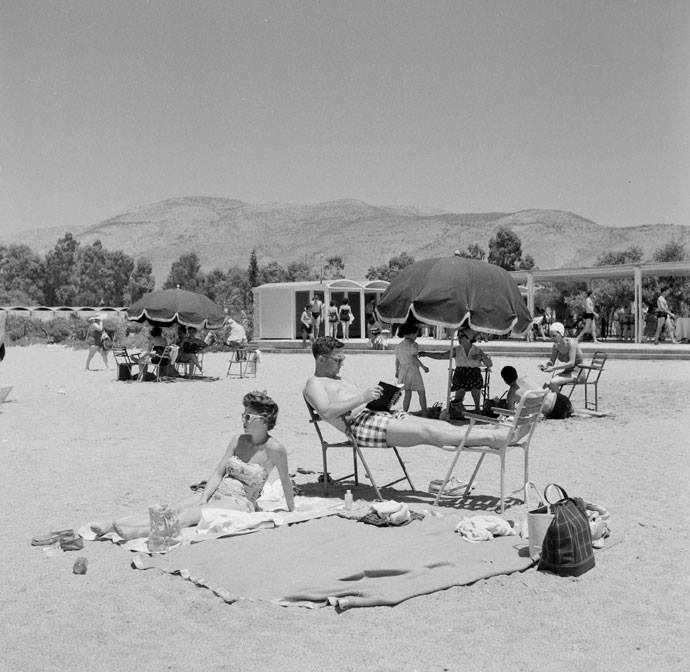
(126, 361)
(245, 361)
(588, 376)
(521, 421)
(160, 361)
(351, 442)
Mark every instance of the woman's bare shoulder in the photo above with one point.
(275, 446)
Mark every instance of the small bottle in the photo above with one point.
(80, 565)
(348, 500)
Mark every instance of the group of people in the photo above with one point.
(468, 359)
(314, 314)
(239, 477)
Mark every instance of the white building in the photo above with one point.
(278, 305)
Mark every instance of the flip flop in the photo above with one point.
(52, 538)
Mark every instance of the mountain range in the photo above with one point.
(222, 232)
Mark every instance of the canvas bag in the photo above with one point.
(538, 520)
(567, 546)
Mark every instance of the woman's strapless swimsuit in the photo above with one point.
(241, 486)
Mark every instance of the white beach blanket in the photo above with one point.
(217, 523)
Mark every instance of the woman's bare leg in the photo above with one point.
(92, 352)
(422, 400)
(138, 525)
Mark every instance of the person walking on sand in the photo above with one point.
(407, 366)
(590, 317)
(99, 341)
(663, 316)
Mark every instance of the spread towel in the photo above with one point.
(338, 562)
(217, 522)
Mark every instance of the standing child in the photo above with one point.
(407, 366)
(467, 375)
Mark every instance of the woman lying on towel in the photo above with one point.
(239, 478)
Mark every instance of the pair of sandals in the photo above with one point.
(68, 540)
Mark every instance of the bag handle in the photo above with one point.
(528, 485)
(563, 493)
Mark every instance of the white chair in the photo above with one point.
(519, 427)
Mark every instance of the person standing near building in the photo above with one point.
(333, 320)
(590, 316)
(307, 326)
(316, 314)
(345, 315)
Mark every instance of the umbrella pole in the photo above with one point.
(450, 370)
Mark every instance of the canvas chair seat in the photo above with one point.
(351, 443)
(519, 426)
(160, 363)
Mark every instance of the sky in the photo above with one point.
(460, 105)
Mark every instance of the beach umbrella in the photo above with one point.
(452, 292)
(167, 307)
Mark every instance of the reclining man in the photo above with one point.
(332, 398)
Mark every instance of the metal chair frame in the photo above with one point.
(351, 442)
(126, 359)
(588, 376)
(526, 414)
(246, 360)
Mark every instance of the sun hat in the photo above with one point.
(557, 328)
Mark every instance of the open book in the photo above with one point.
(391, 394)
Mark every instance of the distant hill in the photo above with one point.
(223, 232)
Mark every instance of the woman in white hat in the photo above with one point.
(96, 337)
(567, 352)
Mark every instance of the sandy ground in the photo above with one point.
(79, 446)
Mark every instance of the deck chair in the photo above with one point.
(243, 363)
(351, 443)
(588, 376)
(520, 422)
(160, 363)
(126, 361)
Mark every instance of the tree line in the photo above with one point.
(72, 274)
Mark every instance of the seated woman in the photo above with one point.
(189, 346)
(156, 345)
(237, 481)
(566, 350)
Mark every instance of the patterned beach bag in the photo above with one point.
(567, 547)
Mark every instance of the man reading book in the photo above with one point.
(332, 398)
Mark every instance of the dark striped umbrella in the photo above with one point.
(168, 307)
